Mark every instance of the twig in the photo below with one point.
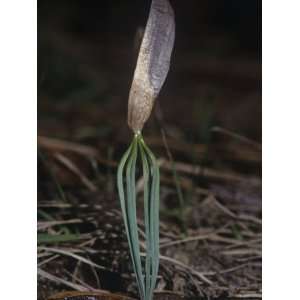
(233, 215)
(236, 153)
(48, 260)
(66, 146)
(56, 279)
(237, 136)
(75, 170)
(201, 276)
(241, 252)
(226, 271)
(42, 225)
(245, 296)
(193, 238)
(73, 255)
(209, 173)
(75, 278)
(61, 145)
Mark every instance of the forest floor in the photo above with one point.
(205, 133)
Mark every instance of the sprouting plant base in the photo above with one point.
(146, 274)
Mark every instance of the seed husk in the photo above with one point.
(153, 63)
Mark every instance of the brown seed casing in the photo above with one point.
(152, 64)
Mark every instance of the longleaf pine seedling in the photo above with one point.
(150, 73)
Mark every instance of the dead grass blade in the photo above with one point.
(61, 145)
(237, 136)
(75, 170)
(187, 268)
(58, 280)
(209, 173)
(73, 255)
(42, 225)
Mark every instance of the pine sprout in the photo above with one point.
(149, 76)
(127, 193)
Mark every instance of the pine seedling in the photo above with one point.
(150, 73)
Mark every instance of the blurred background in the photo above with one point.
(206, 123)
(87, 55)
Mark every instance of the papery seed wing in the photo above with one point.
(153, 63)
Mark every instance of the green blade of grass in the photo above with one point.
(45, 238)
(147, 202)
(155, 212)
(154, 215)
(124, 206)
(131, 212)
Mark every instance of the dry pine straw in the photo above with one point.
(222, 257)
